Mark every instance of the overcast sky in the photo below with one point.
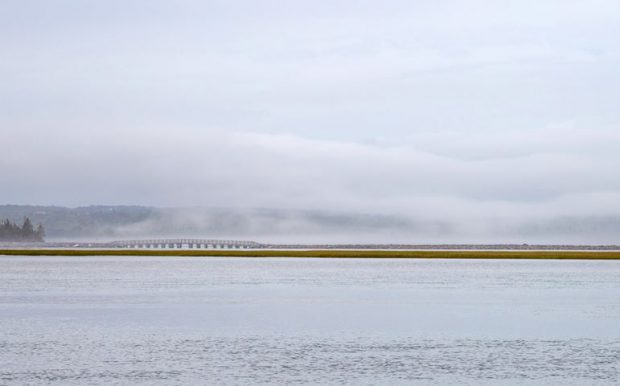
(438, 110)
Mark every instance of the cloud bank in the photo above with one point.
(497, 120)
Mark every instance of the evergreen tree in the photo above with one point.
(27, 231)
(40, 232)
(9, 231)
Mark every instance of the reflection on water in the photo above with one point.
(118, 320)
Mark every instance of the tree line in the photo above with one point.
(10, 231)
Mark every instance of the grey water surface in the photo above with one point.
(239, 321)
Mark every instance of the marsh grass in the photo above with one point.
(391, 254)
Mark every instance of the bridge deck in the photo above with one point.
(183, 243)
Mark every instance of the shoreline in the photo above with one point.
(348, 254)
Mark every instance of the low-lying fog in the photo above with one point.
(104, 223)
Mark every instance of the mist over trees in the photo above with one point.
(111, 222)
(10, 231)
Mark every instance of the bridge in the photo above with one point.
(183, 244)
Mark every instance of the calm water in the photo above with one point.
(220, 321)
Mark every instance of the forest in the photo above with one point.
(10, 231)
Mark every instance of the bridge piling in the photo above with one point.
(182, 243)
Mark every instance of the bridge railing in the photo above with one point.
(184, 243)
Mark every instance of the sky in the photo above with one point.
(471, 112)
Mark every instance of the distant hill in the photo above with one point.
(104, 223)
(118, 222)
(81, 222)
